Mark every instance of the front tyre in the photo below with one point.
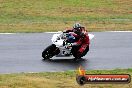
(49, 52)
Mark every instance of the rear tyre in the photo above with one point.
(78, 55)
(85, 52)
(75, 52)
(49, 52)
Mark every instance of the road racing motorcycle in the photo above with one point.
(60, 46)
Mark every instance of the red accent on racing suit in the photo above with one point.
(82, 40)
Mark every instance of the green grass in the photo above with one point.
(54, 15)
(57, 80)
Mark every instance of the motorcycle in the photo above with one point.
(60, 46)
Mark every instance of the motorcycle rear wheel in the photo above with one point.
(76, 54)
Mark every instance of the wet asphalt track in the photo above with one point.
(22, 53)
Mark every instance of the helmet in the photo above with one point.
(77, 28)
(76, 25)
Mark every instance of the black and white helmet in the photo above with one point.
(77, 25)
(77, 28)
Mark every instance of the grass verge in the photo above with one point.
(50, 15)
(57, 80)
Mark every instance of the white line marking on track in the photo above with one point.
(104, 31)
(53, 32)
(118, 31)
(61, 31)
(7, 33)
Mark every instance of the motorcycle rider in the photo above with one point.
(81, 44)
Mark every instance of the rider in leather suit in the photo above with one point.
(81, 44)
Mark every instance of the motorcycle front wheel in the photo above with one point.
(50, 51)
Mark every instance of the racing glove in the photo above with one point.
(74, 44)
(68, 45)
